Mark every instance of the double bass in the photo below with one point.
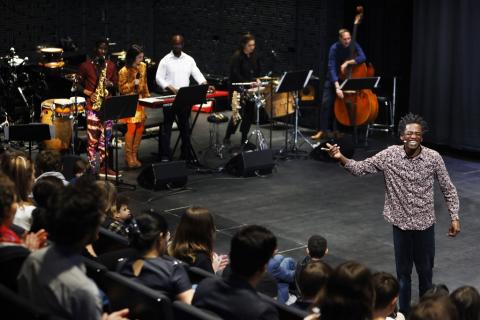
(361, 106)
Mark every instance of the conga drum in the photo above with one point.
(56, 115)
(278, 104)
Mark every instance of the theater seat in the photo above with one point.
(19, 308)
(183, 311)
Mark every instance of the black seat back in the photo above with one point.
(183, 311)
(143, 302)
(19, 308)
(285, 312)
(108, 241)
(11, 261)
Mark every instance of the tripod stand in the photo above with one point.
(113, 109)
(293, 82)
(260, 141)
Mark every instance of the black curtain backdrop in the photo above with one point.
(444, 87)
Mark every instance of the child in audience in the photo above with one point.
(467, 301)
(44, 191)
(80, 167)
(49, 164)
(119, 219)
(312, 282)
(387, 289)
(316, 250)
(113, 220)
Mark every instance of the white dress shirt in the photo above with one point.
(176, 71)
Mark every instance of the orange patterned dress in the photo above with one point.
(126, 84)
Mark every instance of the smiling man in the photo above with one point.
(409, 171)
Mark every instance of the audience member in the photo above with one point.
(194, 240)
(467, 301)
(80, 167)
(350, 294)
(438, 307)
(152, 268)
(18, 167)
(49, 164)
(436, 290)
(54, 277)
(45, 191)
(316, 250)
(283, 270)
(117, 220)
(8, 209)
(235, 297)
(312, 282)
(386, 295)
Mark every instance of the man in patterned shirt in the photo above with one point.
(409, 171)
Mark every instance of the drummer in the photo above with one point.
(244, 67)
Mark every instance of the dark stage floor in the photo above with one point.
(304, 196)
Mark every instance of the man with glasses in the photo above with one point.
(173, 73)
(409, 172)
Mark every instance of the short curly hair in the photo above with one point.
(411, 118)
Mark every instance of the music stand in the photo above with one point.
(113, 109)
(294, 81)
(187, 97)
(29, 132)
(356, 84)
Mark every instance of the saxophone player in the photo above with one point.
(98, 78)
(244, 67)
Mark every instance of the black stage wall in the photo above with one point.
(445, 88)
(298, 32)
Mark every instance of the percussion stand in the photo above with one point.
(260, 141)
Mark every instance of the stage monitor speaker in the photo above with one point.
(346, 147)
(164, 175)
(251, 163)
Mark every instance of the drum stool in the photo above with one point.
(214, 143)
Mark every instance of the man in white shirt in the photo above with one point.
(174, 72)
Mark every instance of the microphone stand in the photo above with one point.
(74, 117)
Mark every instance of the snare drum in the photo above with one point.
(63, 130)
(80, 103)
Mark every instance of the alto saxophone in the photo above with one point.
(100, 91)
(236, 117)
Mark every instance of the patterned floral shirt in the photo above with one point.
(409, 201)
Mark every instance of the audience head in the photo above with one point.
(122, 211)
(150, 233)
(317, 246)
(194, 234)
(386, 293)
(18, 167)
(80, 167)
(78, 214)
(8, 205)
(350, 293)
(45, 193)
(312, 280)
(110, 196)
(436, 290)
(48, 160)
(438, 307)
(250, 250)
(467, 301)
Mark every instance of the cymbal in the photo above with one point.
(71, 76)
(51, 50)
(267, 78)
(52, 65)
(119, 53)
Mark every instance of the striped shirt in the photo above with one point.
(409, 201)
